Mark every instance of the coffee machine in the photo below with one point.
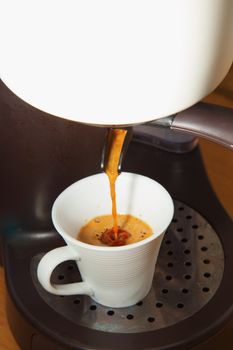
(191, 298)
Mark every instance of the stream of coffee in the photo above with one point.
(117, 140)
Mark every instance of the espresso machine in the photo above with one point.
(93, 66)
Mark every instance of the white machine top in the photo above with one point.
(107, 62)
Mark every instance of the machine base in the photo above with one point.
(37, 321)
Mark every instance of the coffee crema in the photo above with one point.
(131, 228)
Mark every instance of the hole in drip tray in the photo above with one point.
(167, 241)
(76, 301)
(204, 249)
(180, 305)
(170, 264)
(130, 317)
(174, 220)
(70, 267)
(159, 304)
(168, 278)
(194, 227)
(184, 240)
(179, 229)
(93, 307)
(188, 217)
(187, 277)
(61, 277)
(169, 253)
(151, 319)
(187, 251)
(188, 263)
(200, 237)
(110, 312)
(140, 303)
(206, 261)
(205, 289)
(181, 208)
(185, 290)
(164, 291)
(207, 274)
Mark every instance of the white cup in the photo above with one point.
(113, 276)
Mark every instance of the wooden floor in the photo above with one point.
(219, 166)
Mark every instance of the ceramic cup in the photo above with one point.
(112, 276)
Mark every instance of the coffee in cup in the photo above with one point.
(99, 232)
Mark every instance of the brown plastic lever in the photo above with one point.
(206, 120)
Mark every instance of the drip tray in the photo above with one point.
(188, 272)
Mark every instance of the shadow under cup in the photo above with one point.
(113, 276)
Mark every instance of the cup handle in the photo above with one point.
(48, 263)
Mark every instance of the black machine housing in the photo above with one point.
(40, 156)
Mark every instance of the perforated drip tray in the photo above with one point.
(188, 273)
